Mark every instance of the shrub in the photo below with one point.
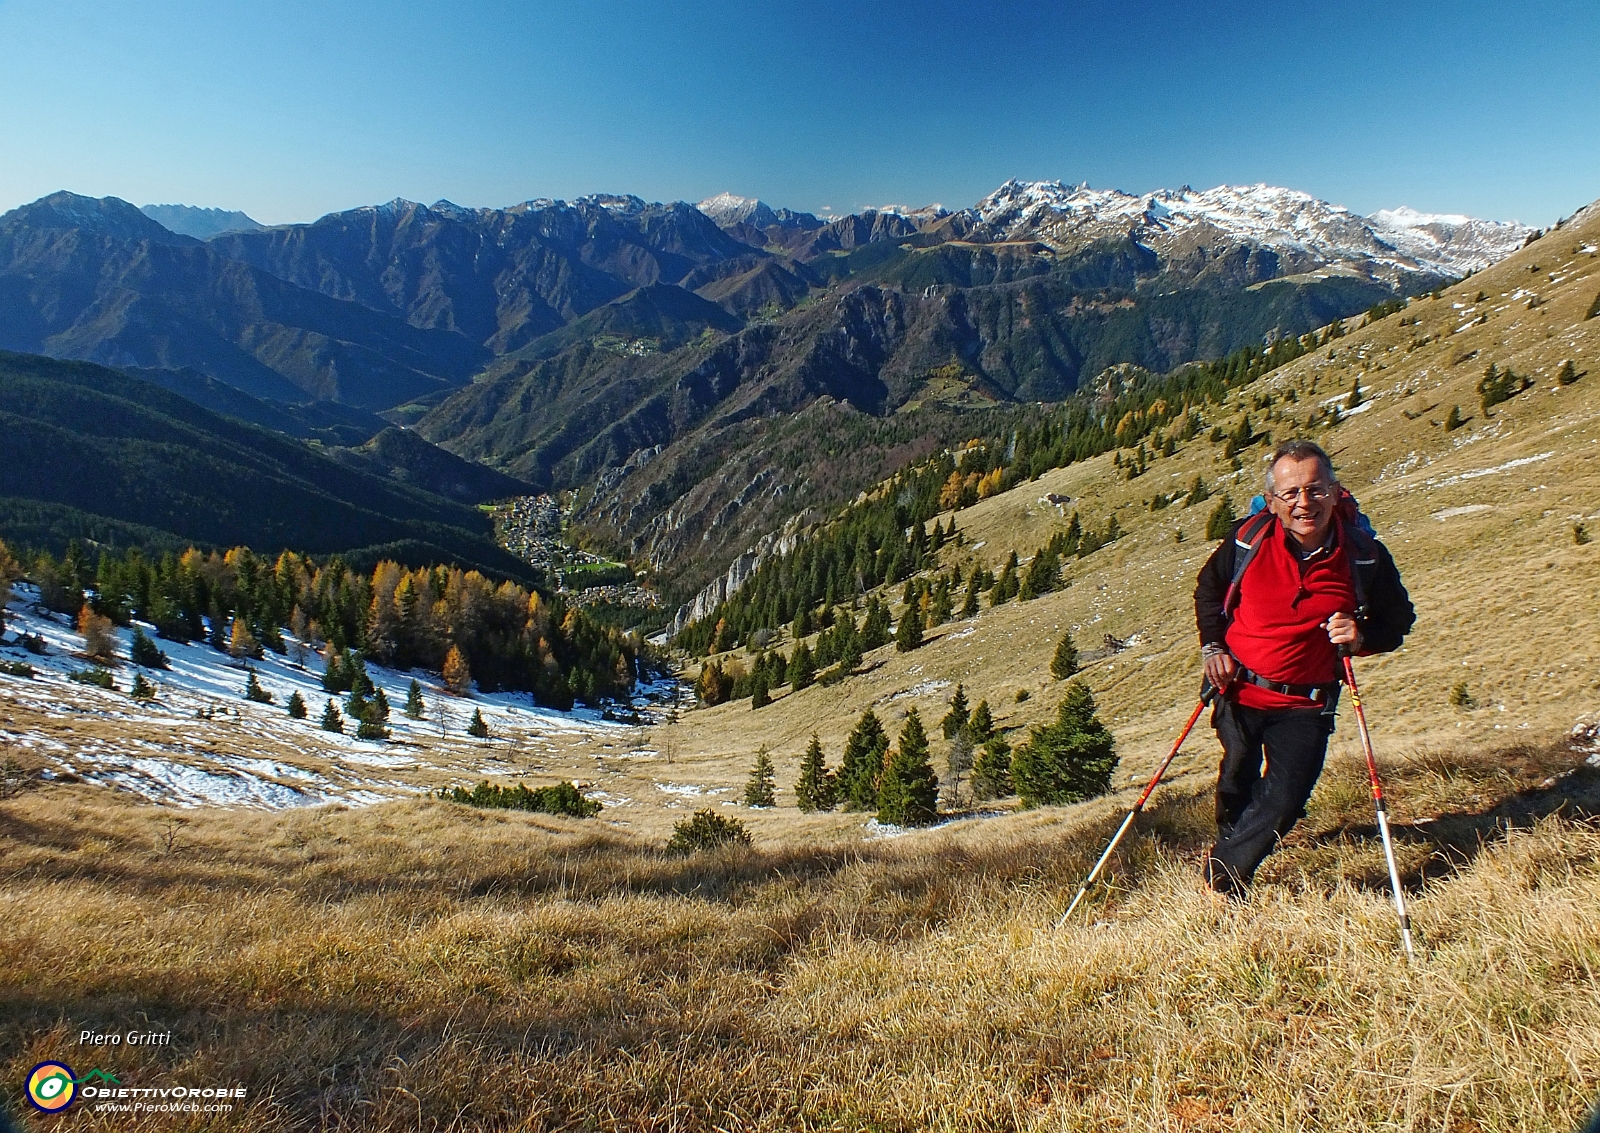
(563, 798)
(371, 728)
(1461, 696)
(1453, 420)
(17, 669)
(707, 830)
(145, 652)
(1069, 760)
(1500, 385)
(1022, 695)
(1580, 534)
(1567, 374)
(100, 678)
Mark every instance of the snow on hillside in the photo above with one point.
(200, 742)
(1285, 220)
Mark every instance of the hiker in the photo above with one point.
(1277, 601)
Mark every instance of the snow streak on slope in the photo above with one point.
(199, 742)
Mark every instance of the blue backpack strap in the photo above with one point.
(1246, 542)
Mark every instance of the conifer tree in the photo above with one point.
(1221, 520)
(99, 641)
(1065, 662)
(969, 604)
(760, 697)
(477, 727)
(956, 720)
(457, 674)
(414, 705)
(241, 642)
(802, 670)
(1567, 374)
(1197, 492)
(331, 720)
(1355, 397)
(875, 627)
(380, 706)
(760, 790)
(908, 635)
(333, 679)
(1453, 419)
(815, 789)
(254, 691)
(142, 689)
(297, 706)
(862, 763)
(1069, 760)
(909, 792)
(1005, 587)
(145, 653)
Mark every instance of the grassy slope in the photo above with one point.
(416, 965)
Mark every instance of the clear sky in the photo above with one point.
(288, 109)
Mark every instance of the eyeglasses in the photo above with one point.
(1316, 493)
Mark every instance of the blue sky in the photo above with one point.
(292, 109)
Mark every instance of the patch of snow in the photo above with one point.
(1465, 509)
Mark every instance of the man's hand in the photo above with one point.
(1343, 631)
(1220, 668)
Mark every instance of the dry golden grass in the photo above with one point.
(420, 965)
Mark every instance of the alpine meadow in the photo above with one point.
(611, 665)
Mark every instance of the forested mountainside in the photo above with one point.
(96, 455)
(654, 356)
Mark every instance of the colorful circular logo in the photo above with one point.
(51, 1087)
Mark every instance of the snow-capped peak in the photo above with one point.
(1306, 230)
(727, 209)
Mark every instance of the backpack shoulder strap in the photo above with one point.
(1362, 551)
(1246, 542)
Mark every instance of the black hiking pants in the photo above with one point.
(1256, 807)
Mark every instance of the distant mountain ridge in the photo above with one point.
(201, 223)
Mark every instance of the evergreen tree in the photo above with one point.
(142, 689)
(1197, 492)
(380, 706)
(1567, 374)
(909, 792)
(254, 691)
(1221, 520)
(1069, 760)
(802, 670)
(908, 635)
(1065, 662)
(815, 789)
(331, 720)
(760, 697)
(1005, 587)
(969, 604)
(370, 727)
(145, 652)
(477, 727)
(1355, 397)
(297, 706)
(1453, 419)
(414, 705)
(875, 628)
(333, 679)
(956, 720)
(760, 790)
(862, 763)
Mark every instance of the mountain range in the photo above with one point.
(662, 357)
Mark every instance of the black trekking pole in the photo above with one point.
(1383, 817)
(1205, 698)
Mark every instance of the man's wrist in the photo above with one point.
(1213, 649)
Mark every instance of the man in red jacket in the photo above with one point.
(1314, 583)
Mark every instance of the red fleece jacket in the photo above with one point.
(1277, 629)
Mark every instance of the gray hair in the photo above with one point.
(1298, 450)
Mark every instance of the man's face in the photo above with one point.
(1295, 486)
